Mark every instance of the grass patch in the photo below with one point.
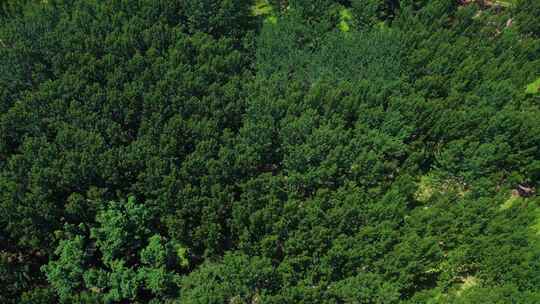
(425, 189)
(510, 202)
(468, 282)
(534, 87)
(431, 184)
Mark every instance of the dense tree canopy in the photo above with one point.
(211, 151)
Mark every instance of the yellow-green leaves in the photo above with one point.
(345, 17)
(533, 87)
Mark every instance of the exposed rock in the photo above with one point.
(525, 191)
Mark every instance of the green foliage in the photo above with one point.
(119, 260)
(235, 279)
(221, 18)
(261, 7)
(122, 228)
(527, 17)
(9, 8)
(295, 151)
(533, 87)
(372, 12)
(365, 288)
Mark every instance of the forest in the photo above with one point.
(269, 151)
